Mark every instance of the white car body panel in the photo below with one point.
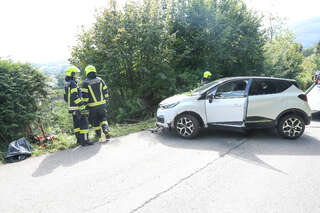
(296, 103)
(263, 105)
(186, 104)
(314, 98)
(216, 111)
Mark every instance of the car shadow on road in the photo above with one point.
(66, 158)
(247, 147)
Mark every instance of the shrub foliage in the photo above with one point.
(22, 90)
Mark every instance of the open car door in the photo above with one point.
(227, 104)
(313, 94)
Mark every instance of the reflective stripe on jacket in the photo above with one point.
(72, 95)
(94, 92)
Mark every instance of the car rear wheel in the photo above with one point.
(187, 126)
(291, 126)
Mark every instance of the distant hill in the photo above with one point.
(52, 68)
(307, 32)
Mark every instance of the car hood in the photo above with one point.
(179, 98)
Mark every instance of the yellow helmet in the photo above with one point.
(207, 74)
(70, 70)
(89, 69)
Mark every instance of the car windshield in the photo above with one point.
(206, 86)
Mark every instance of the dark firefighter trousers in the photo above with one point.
(98, 120)
(80, 125)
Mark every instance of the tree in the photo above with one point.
(309, 51)
(130, 51)
(310, 65)
(151, 50)
(22, 89)
(305, 77)
(274, 25)
(283, 56)
(220, 36)
(60, 81)
(317, 49)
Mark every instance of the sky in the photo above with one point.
(43, 30)
(294, 10)
(40, 31)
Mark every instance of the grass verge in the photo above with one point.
(66, 141)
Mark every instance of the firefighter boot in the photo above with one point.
(97, 136)
(82, 140)
(87, 141)
(78, 138)
(105, 129)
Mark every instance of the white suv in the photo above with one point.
(238, 102)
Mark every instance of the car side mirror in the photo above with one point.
(217, 95)
(210, 98)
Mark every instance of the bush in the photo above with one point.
(22, 90)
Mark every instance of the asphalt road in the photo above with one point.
(145, 172)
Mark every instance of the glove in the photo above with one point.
(83, 110)
(82, 107)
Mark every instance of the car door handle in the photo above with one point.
(236, 105)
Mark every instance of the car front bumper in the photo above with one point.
(165, 118)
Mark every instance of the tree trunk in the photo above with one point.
(41, 128)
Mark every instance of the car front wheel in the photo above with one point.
(291, 126)
(187, 126)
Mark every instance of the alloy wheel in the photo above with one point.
(185, 126)
(292, 127)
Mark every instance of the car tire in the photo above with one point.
(187, 126)
(291, 126)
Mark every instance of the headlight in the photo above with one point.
(168, 106)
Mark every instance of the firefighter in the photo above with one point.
(95, 95)
(206, 78)
(72, 96)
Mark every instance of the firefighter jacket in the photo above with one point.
(94, 92)
(205, 81)
(72, 95)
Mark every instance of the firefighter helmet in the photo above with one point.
(207, 74)
(71, 71)
(89, 69)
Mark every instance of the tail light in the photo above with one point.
(303, 97)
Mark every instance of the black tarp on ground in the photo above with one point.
(18, 150)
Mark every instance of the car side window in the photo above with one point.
(232, 89)
(262, 87)
(282, 85)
